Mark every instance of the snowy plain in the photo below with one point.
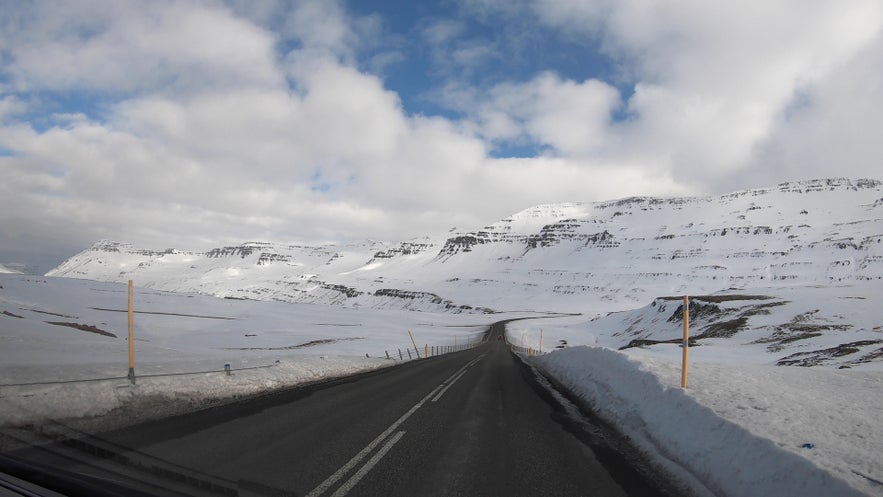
(45, 367)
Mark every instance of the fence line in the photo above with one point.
(154, 375)
(397, 355)
(433, 351)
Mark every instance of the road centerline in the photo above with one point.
(331, 480)
(453, 379)
(349, 484)
(445, 389)
(356, 459)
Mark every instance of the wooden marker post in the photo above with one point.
(541, 341)
(686, 345)
(416, 350)
(131, 338)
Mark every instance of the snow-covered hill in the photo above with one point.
(577, 257)
(7, 270)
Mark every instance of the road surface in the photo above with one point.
(472, 423)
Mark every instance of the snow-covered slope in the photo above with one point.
(576, 257)
(6, 270)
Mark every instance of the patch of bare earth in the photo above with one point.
(83, 327)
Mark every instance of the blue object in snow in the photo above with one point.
(808, 446)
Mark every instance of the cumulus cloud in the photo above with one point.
(573, 118)
(210, 123)
(129, 47)
(10, 106)
(712, 82)
(831, 125)
(333, 157)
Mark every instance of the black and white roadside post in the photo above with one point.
(686, 345)
(131, 338)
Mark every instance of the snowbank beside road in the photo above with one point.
(750, 365)
(640, 399)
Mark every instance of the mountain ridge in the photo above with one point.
(567, 257)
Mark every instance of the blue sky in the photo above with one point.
(197, 123)
(517, 48)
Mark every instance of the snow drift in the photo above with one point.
(669, 423)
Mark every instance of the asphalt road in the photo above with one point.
(472, 423)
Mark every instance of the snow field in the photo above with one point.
(837, 411)
(267, 344)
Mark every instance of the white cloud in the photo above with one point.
(322, 27)
(712, 80)
(10, 105)
(573, 118)
(218, 127)
(458, 51)
(443, 31)
(832, 126)
(114, 46)
(335, 158)
(493, 10)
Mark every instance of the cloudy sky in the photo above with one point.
(193, 124)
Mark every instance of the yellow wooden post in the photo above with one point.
(530, 352)
(686, 345)
(131, 337)
(416, 350)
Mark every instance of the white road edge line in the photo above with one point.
(331, 480)
(349, 484)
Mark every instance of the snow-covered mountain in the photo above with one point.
(574, 257)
